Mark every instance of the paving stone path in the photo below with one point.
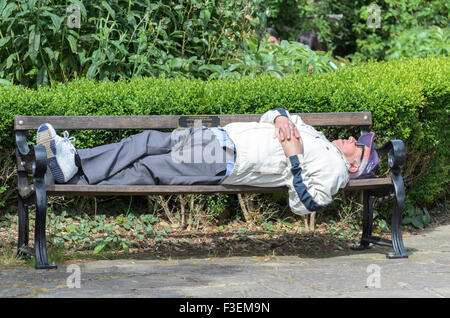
(426, 273)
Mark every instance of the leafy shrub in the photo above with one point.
(397, 18)
(342, 25)
(408, 99)
(117, 39)
(420, 42)
(261, 57)
(333, 21)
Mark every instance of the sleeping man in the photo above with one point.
(279, 150)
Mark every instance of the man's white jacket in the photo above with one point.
(312, 177)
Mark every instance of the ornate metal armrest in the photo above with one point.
(37, 157)
(396, 150)
(21, 143)
(23, 155)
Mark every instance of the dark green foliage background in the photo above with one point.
(199, 38)
(409, 100)
(351, 36)
(119, 38)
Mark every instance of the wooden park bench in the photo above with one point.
(31, 161)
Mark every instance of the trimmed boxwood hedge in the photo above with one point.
(409, 100)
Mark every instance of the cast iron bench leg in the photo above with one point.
(396, 230)
(39, 168)
(396, 151)
(367, 222)
(25, 199)
(23, 225)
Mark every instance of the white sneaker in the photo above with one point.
(60, 152)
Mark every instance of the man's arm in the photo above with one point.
(270, 115)
(307, 191)
(284, 128)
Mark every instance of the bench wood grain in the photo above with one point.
(172, 121)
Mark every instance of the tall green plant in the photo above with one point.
(347, 28)
(261, 57)
(333, 21)
(40, 45)
(399, 20)
(420, 42)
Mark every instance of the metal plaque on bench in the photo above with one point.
(199, 120)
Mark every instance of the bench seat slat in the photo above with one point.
(61, 189)
(172, 121)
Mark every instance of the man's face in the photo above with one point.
(273, 40)
(351, 151)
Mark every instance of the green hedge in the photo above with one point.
(409, 100)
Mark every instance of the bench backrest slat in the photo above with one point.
(173, 121)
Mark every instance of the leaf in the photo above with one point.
(33, 44)
(2, 5)
(109, 9)
(426, 217)
(99, 248)
(56, 20)
(98, 55)
(207, 15)
(42, 79)
(176, 63)
(81, 6)
(177, 34)
(4, 40)
(406, 220)
(8, 10)
(50, 53)
(120, 47)
(212, 68)
(72, 43)
(31, 4)
(417, 222)
(125, 248)
(5, 82)
(92, 71)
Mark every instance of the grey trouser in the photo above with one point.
(154, 157)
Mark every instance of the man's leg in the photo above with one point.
(161, 169)
(195, 158)
(100, 163)
(125, 162)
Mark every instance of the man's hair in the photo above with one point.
(310, 39)
(361, 167)
(272, 32)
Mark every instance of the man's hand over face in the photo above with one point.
(285, 129)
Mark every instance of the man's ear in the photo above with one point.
(353, 168)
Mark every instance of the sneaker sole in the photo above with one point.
(44, 138)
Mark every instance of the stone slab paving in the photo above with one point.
(426, 273)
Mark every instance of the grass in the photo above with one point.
(8, 257)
